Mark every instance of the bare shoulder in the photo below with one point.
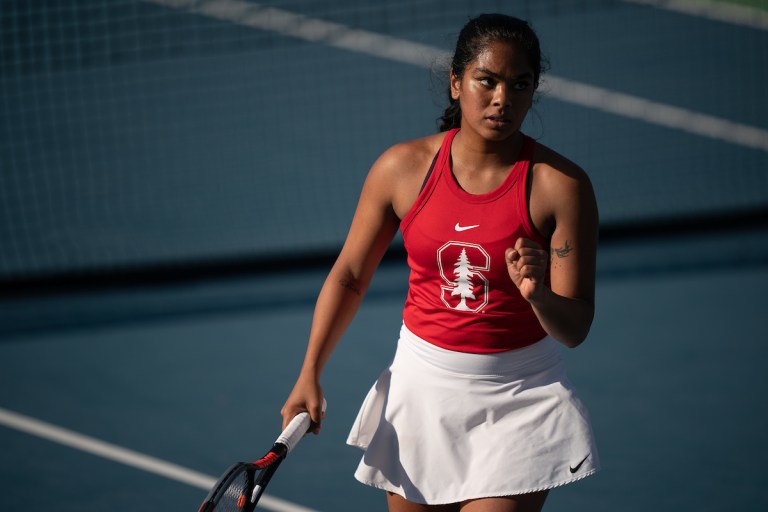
(401, 170)
(559, 188)
(552, 168)
(409, 156)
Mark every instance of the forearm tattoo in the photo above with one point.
(348, 282)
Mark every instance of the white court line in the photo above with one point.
(128, 457)
(718, 11)
(341, 36)
(657, 113)
(311, 29)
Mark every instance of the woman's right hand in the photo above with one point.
(307, 395)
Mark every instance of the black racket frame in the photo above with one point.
(254, 476)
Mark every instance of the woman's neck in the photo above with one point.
(476, 153)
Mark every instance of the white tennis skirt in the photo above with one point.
(442, 427)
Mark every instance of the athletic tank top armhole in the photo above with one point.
(530, 226)
(429, 172)
(430, 180)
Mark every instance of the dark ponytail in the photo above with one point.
(451, 118)
(475, 37)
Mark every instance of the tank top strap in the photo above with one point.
(439, 164)
(525, 160)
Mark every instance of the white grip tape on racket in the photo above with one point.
(296, 429)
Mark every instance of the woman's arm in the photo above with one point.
(373, 228)
(563, 206)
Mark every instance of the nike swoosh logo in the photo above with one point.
(576, 468)
(464, 228)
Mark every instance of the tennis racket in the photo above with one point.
(241, 487)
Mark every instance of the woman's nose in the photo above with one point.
(501, 95)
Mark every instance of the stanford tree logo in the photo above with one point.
(461, 268)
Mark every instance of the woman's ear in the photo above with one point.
(455, 86)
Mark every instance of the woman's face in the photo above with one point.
(495, 92)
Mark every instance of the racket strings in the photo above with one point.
(235, 495)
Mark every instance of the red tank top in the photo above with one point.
(460, 294)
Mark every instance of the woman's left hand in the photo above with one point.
(527, 266)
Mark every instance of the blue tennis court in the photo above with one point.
(672, 373)
(139, 138)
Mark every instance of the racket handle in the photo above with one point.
(296, 429)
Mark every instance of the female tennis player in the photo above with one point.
(476, 412)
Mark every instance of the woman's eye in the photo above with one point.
(521, 86)
(488, 82)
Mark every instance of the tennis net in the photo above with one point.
(172, 133)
